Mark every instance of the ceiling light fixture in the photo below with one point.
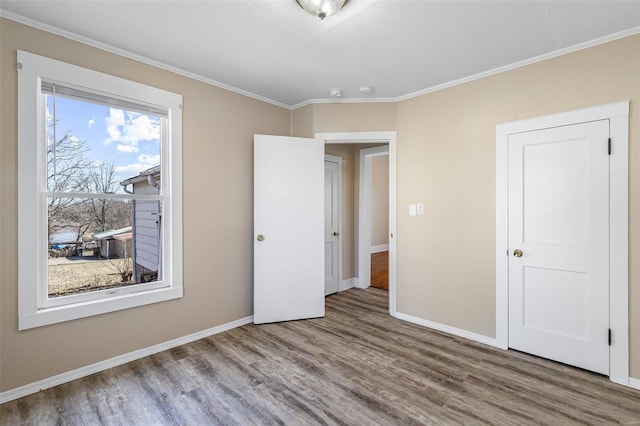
(321, 8)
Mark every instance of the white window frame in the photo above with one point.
(34, 307)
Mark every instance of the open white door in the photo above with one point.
(288, 222)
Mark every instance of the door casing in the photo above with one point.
(618, 116)
(391, 139)
(364, 213)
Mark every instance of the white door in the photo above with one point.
(331, 229)
(559, 244)
(288, 228)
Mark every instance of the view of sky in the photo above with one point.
(129, 140)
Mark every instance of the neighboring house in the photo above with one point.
(146, 217)
(114, 243)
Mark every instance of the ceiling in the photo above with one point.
(273, 50)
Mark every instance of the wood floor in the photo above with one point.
(380, 270)
(356, 366)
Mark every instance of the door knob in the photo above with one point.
(517, 253)
(260, 237)
(335, 234)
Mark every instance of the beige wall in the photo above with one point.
(380, 200)
(218, 147)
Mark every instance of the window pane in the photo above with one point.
(97, 244)
(94, 148)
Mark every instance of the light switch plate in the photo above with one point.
(412, 209)
(420, 208)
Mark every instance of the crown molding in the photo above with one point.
(121, 52)
(342, 101)
(554, 54)
(130, 55)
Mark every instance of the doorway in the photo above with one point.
(364, 246)
(374, 213)
(555, 144)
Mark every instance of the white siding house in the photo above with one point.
(114, 243)
(146, 217)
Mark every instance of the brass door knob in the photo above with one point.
(260, 237)
(517, 253)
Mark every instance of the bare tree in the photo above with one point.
(107, 213)
(66, 172)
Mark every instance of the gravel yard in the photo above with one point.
(78, 275)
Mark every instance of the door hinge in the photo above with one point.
(610, 337)
(609, 146)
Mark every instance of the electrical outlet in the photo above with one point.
(421, 208)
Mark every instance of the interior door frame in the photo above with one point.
(338, 160)
(389, 138)
(364, 214)
(618, 116)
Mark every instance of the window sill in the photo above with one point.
(69, 312)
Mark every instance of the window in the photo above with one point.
(99, 185)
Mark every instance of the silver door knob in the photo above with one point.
(517, 253)
(260, 237)
(335, 234)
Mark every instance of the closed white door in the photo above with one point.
(559, 244)
(288, 228)
(331, 229)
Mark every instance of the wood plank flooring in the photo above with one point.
(380, 270)
(356, 366)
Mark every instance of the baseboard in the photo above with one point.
(634, 383)
(379, 248)
(78, 373)
(347, 284)
(449, 329)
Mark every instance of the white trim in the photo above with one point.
(618, 116)
(633, 383)
(449, 329)
(364, 214)
(338, 160)
(34, 308)
(127, 54)
(78, 373)
(379, 248)
(391, 139)
(343, 101)
(347, 284)
(530, 61)
(540, 58)
(124, 53)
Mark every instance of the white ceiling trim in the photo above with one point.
(121, 52)
(525, 62)
(341, 101)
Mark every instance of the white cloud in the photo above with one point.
(128, 129)
(145, 161)
(91, 122)
(149, 159)
(127, 148)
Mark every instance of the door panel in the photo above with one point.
(289, 214)
(331, 241)
(559, 219)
